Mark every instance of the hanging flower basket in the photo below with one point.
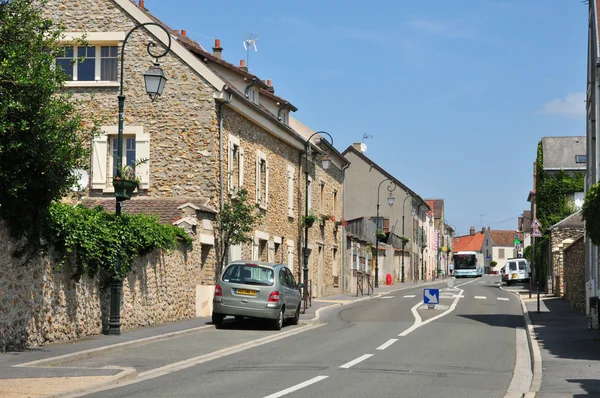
(124, 188)
(309, 220)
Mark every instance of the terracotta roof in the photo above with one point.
(167, 209)
(431, 204)
(385, 173)
(503, 238)
(468, 243)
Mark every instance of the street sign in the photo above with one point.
(535, 223)
(516, 242)
(536, 233)
(431, 296)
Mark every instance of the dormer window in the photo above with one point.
(253, 95)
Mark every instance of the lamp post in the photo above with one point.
(413, 203)
(155, 81)
(325, 164)
(391, 199)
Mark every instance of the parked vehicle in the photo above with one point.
(516, 270)
(257, 290)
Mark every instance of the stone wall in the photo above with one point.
(40, 305)
(557, 237)
(574, 274)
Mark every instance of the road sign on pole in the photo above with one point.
(535, 223)
(431, 296)
(536, 233)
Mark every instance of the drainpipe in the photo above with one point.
(299, 207)
(254, 81)
(344, 230)
(221, 144)
(594, 267)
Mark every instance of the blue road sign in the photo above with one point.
(431, 296)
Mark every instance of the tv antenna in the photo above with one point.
(249, 44)
(363, 146)
(365, 136)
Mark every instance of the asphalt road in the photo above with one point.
(388, 346)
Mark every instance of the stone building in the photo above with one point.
(574, 273)
(215, 128)
(562, 234)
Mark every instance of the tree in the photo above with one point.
(235, 222)
(42, 136)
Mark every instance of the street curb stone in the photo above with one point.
(534, 349)
(125, 375)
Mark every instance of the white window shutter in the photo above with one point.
(99, 161)
(290, 184)
(266, 182)
(230, 166)
(241, 167)
(257, 180)
(142, 151)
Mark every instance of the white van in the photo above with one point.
(516, 270)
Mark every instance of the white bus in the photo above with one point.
(465, 265)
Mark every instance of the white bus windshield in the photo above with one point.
(467, 261)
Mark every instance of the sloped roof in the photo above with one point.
(167, 209)
(573, 221)
(504, 237)
(468, 243)
(559, 152)
(367, 160)
(431, 204)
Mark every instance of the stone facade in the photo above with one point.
(574, 274)
(40, 305)
(557, 237)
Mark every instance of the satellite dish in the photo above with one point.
(363, 147)
(82, 180)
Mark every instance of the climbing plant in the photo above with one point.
(591, 213)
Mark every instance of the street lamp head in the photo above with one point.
(414, 208)
(391, 200)
(325, 162)
(155, 81)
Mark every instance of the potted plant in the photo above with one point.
(380, 235)
(341, 222)
(127, 180)
(309, 220)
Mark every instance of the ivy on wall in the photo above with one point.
(552, 204)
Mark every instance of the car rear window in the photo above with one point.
(512, 266)
(522, 265)
(249, 274)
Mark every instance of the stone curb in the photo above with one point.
(534, 349)
(75, 356)
(125, 375)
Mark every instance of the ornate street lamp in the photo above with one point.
(390, 189)
(413, 204)
(325, 163)
(155, 81)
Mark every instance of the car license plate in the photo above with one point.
(514, 276)
(245, 292)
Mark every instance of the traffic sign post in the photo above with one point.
(536, 232)
(431, 297)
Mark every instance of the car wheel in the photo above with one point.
(296, 318)
(278, 323)
(217, 320)
(239, 318)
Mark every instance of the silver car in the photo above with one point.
(258, 290)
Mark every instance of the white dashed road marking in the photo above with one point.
(480, 297)
(386, 297)
(503, 298)
(410, 296)
(357, 360)
(387, 344)
(297, 387)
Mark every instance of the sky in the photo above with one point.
(453, 96)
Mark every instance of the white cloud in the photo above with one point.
(572, 104)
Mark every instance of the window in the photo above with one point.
(322, 198)
(334, 264)
(580, 158)
(285, 117)
(262, 180)
(253, 95)
(128, 154)
(500, 253)
(235, 166)
(136, 146)
(290, 186)
(91, 63)
(335, 198)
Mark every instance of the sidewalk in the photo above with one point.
(41, 379)
(570, 352)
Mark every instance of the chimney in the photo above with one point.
(141, 4)
(183, 33)
(356, 146)
(176, 31)
(217, 49)
(243, 65)
(270, 87)
(483, 230)
(264, 81)
(472, 231)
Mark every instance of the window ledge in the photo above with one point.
(76, 83)
(263, 207)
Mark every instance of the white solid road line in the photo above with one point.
(357, 360)
(410, 296)
(503, 298)
(297, 387)
(480, 297)
(387, 344)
